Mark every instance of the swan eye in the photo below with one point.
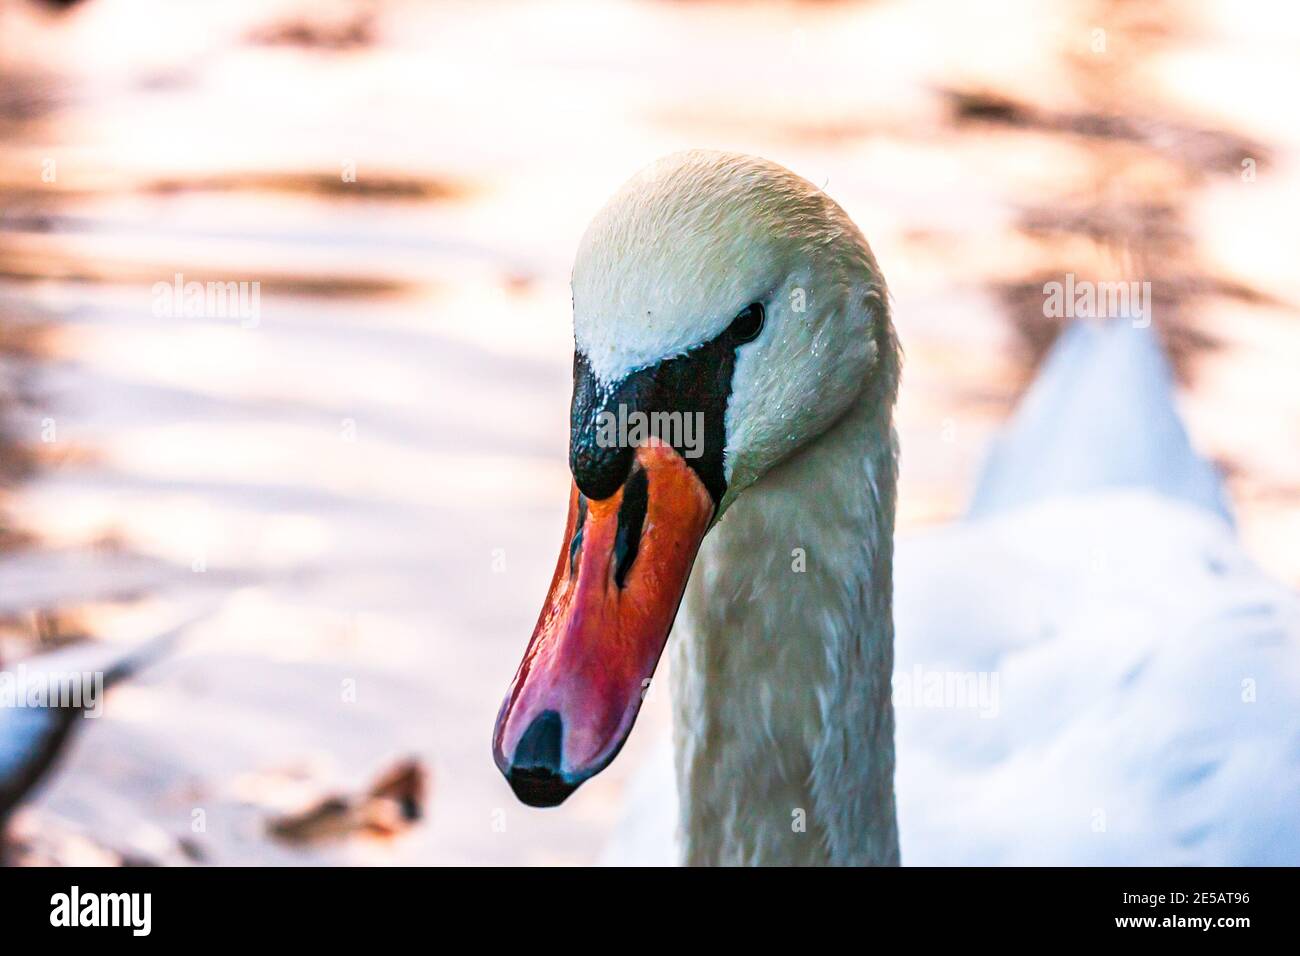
(746, 326)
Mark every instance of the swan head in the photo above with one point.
(726, 313)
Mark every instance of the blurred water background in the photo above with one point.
(369, 475)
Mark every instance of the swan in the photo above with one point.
(1090, 669)
(726, 292)
(1144, 673)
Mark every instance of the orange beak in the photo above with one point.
(622, 569)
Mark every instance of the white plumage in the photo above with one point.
(1149, 674)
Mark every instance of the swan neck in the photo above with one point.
(783, 723)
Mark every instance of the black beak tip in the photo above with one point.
(534, 773)
(538, 787)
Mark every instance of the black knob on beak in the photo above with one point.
(599, 459)
(534, 773)
(598, 472)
